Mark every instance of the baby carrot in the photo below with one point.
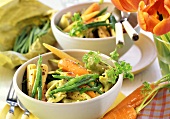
(93, 7)
(91, 94)
(126, 112)
(60, 53)
(72, 66)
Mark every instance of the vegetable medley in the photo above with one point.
(92, 22)
(72, 82)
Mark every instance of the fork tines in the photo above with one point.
(11, 100)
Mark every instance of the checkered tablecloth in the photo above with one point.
(158, 108)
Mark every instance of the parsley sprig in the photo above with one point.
(92, 59)
(79, 28)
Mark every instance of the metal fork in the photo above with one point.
(12, 101)
(26, 112)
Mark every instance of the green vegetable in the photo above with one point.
(75, 83)
(101, 12)
(96, 24)
(28, 36)
(79, 27)
(62, 77)
(112, 21)
(38, 80)
(80, 78)
(92, 59)
(39, 88)
(93, 62)
(84, 89)
(164, 82)
(114, 55)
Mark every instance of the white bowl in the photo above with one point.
(89, 109)
(103, 45)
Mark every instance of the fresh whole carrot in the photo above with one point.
(126, 108)
(72, 66)
(126, 112)
(134, 99)
(138, 99)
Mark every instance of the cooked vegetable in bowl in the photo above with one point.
(91, 22)
(72, 82)
(63, 85)
(92, 35)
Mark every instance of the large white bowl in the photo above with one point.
(89, 109)
(103, 45)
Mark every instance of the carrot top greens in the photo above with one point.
(150, 93)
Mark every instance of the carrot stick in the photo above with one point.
(72, 66)
(126, 112)
(93, 7)
(60, 53)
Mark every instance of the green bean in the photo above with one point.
(62, 77)
(112, 21)
(96, 88)
(101, 12)
(40, 87)
(28, 36)
(38, 77)
(79, 78)
(96, 24)
(71, 87)
(85, 89)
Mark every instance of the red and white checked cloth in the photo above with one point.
(158, 108)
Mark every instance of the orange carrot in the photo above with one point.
(91, 94)
(130, 102)
(134, 99)
(126, 112)
(93, 7)
(72, 66)
(60, 53)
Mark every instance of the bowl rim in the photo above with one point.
(53, 25)
(16, 87)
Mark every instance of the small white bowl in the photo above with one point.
(103, 45)
(89, 109)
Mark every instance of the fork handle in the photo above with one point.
(130, 30)
(25, 116)
(10, 115)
